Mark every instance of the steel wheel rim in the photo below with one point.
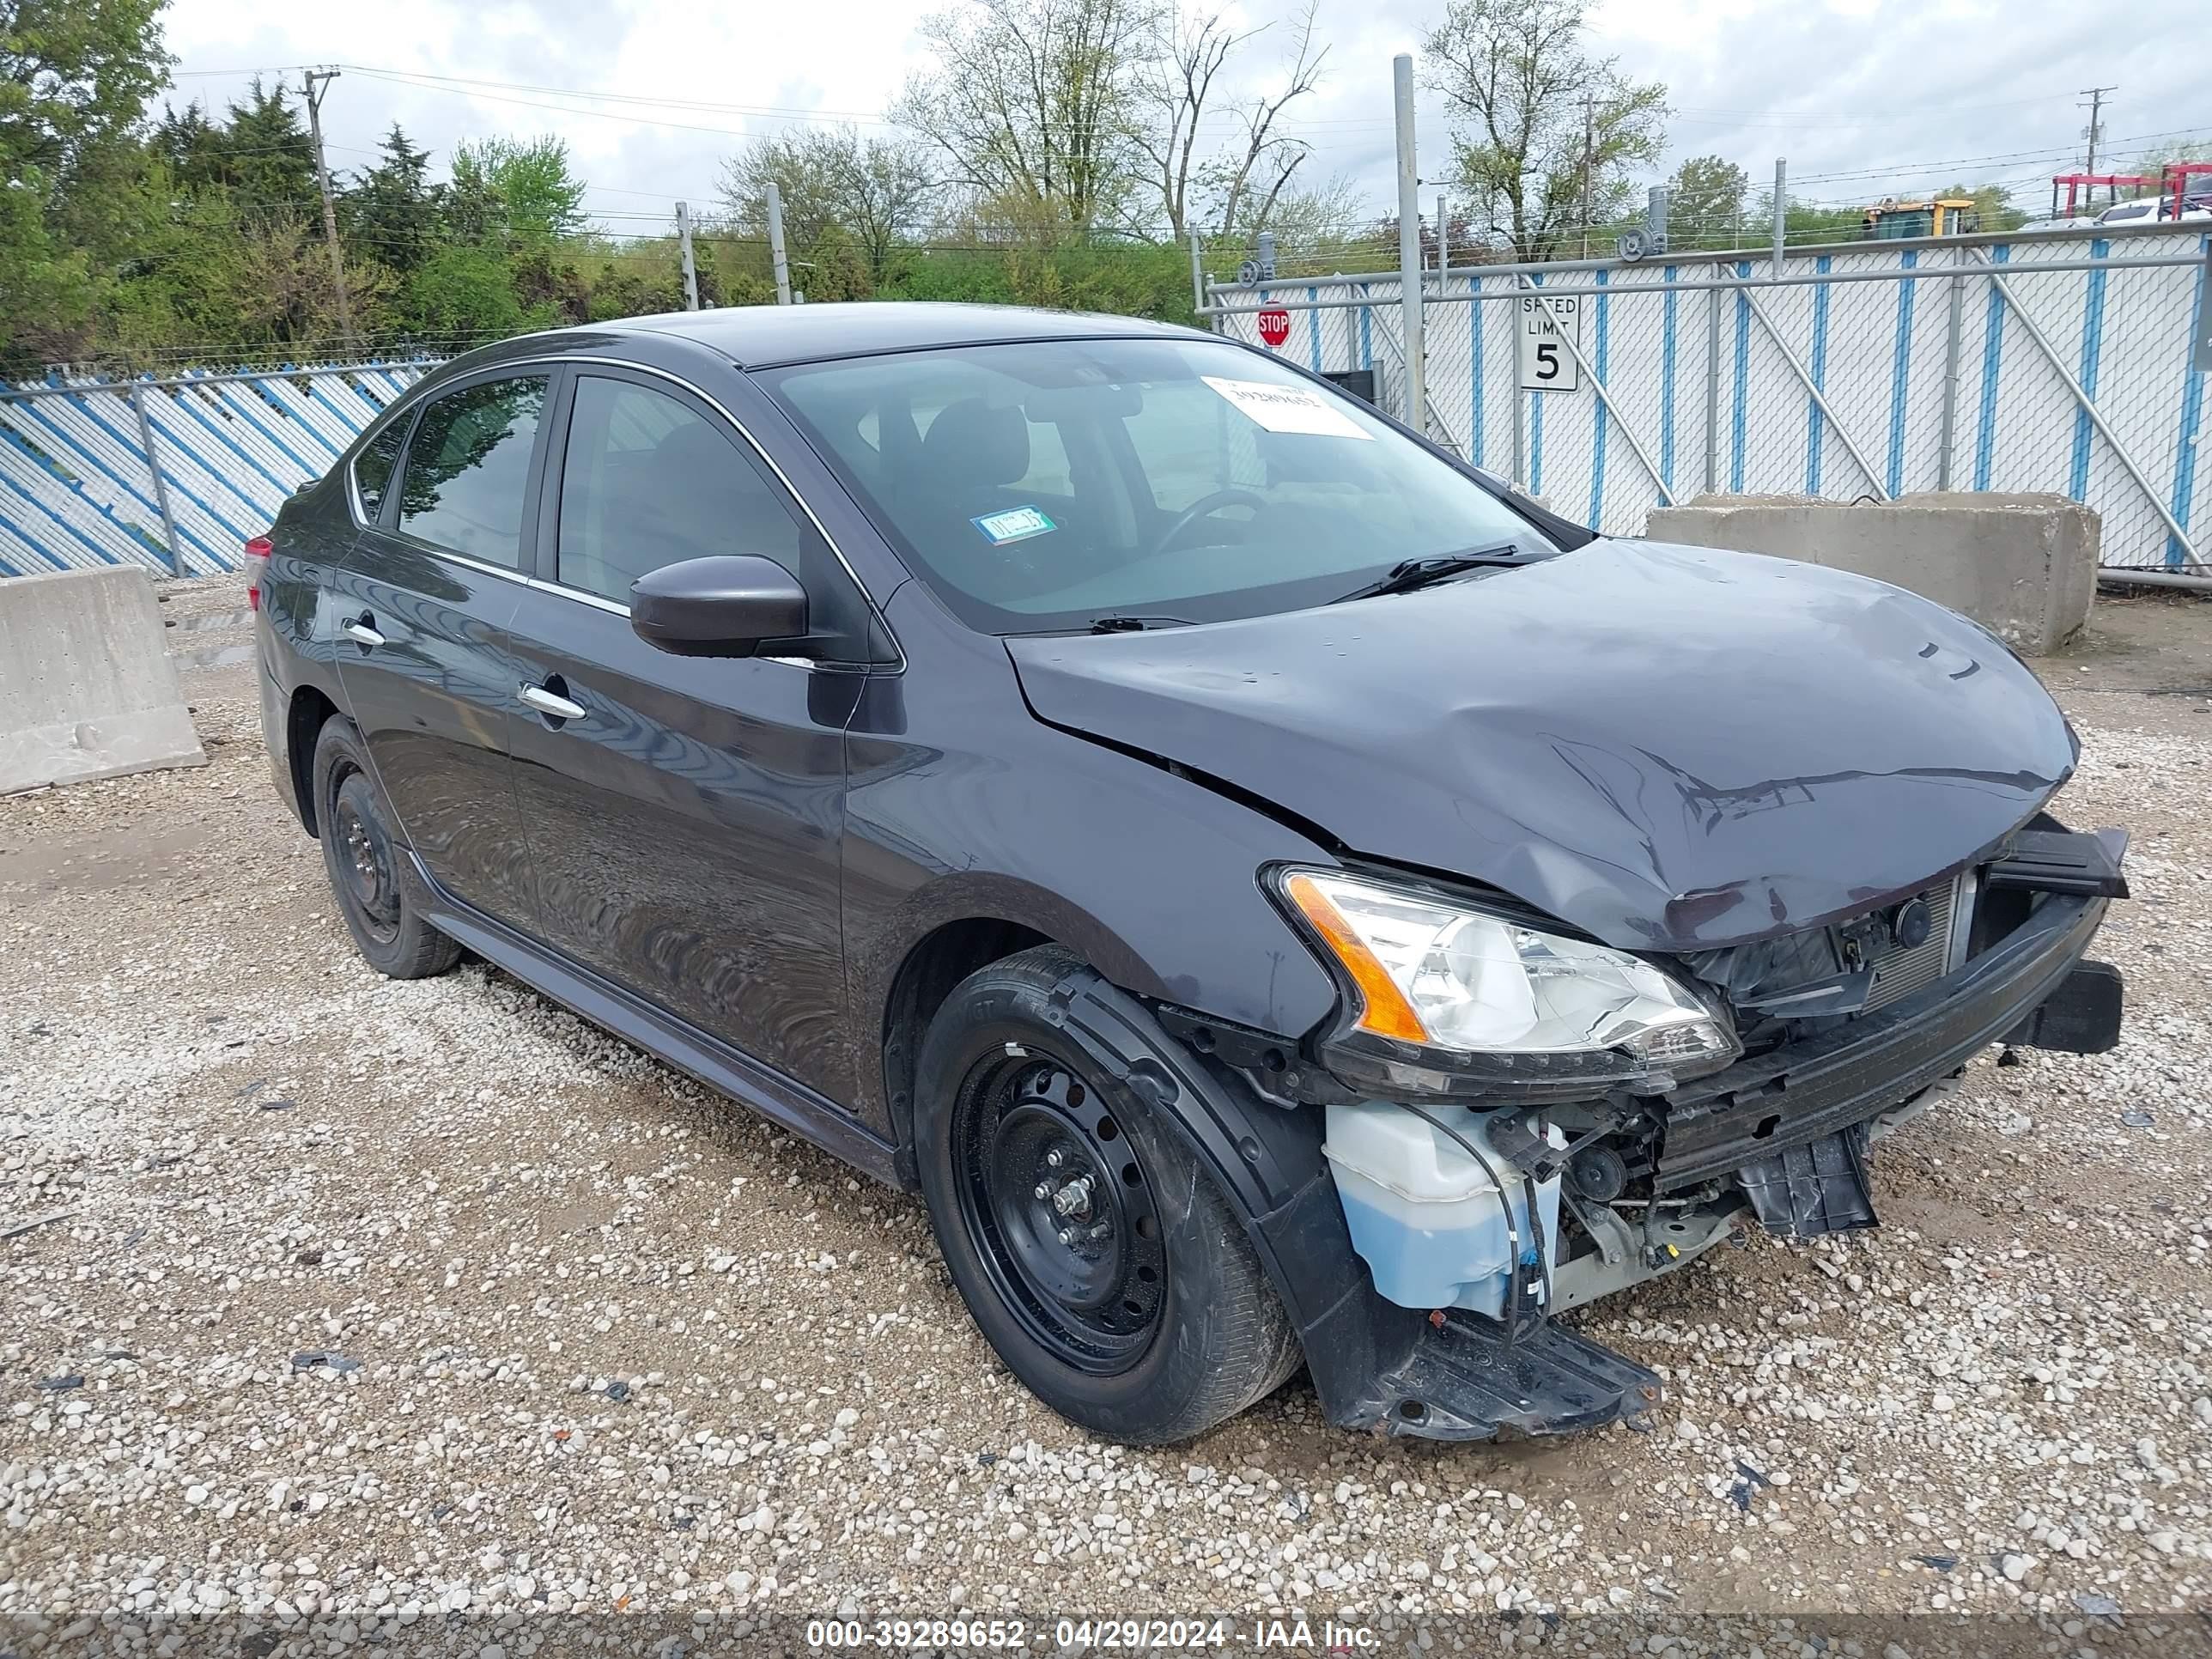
(1062, 1212)
(368, 881)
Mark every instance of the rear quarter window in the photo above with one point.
(374, 467)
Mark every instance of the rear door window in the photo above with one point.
(468, 469)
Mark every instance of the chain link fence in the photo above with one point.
(174, 474)
(2056, 361)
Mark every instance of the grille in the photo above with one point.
(1899, 972)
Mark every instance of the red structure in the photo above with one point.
(2172, 180)
(2174, 176)
(2087, 183)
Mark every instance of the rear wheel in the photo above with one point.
(377, 890)
(1097, 1255)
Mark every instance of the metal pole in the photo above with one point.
(1443, 243)
(1409, 247)
(690, 271)
(1514, 326)
(2125, 574)
(1590, 143)
(330, 204)
(1780, 210)
(1713, 387)
(1947, 440)
(2096, 97)
(1198, 282)
(776, 246)
(170, 545)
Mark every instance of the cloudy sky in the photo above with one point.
(1864, 97)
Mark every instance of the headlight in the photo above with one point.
(1436, 973)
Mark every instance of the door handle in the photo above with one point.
(361, 633)
(551, 704)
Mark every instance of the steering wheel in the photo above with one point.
(1201, 508)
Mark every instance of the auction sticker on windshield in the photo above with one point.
(1287, 408)
(1016, 523)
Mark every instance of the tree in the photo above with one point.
(390, 210)
(1033, 104)
(879, 190)
(507, 187)
(267, 161)
(74, 76)
(1545, 136)
(834, 268)
(464, 292)
(191, 145)
(1707, 206)
(1237, 185)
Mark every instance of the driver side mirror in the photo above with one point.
(728, 606)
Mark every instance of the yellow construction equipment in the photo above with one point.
(1949, 215)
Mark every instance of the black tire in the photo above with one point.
(378, 891)
(1158, 1322)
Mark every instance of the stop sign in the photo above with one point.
(1275, 327)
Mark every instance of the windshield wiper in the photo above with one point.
(1118, 624)
(1410, 574)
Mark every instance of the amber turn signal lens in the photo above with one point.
(1387, 1012)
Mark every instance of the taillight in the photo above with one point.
(257, 564)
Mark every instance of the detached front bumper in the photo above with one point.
(1799, 1094)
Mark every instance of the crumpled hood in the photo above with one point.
(1673, 748)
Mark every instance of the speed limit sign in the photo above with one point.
(1547, 321)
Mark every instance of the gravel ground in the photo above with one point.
(343, 1310)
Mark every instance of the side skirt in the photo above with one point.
(751, 1083)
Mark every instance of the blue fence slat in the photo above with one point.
(1900, 373)
(2092, 352)
(1820, 372)
(1666, 381)
(1985, 433)
(1599, 410)
(2192, 415)
(1742, 382)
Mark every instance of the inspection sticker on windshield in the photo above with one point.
(1287, 408)
(1016, 523)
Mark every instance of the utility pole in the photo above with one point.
(318, 81)
(1409, 247)
(776, 246)
(2096, 97)
(1589, 144)
(690, 271)
(1781, 209)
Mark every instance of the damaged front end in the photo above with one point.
(1485, 1193)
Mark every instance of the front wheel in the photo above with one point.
(1099, 1260)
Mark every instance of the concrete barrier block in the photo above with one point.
(2024, 566)
(86, 688)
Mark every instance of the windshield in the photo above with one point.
(1044, 485)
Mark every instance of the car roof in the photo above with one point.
(764, 337)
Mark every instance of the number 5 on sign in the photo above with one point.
(1546, 322)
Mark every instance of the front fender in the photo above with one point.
(961, 805)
